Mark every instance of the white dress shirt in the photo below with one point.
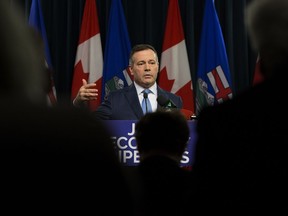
(152, 96)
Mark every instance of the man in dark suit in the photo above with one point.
(125, 104)
(241, 162)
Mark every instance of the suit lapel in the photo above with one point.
(133, 100)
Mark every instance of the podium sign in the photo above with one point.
(123, 132)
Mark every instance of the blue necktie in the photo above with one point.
(146, 105)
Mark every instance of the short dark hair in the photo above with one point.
(140, 47)
(167, 131)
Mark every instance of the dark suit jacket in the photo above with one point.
(241, 154)
(165, 187)
(123, 104)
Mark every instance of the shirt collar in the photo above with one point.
(140, 89)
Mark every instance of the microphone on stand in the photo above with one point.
(165, 102)
(145, 95)
(168, 105)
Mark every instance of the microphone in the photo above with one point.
(145, 95)
(168, 105)
(165, 102)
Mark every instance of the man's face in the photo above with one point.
(145, 68)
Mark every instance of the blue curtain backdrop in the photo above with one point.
(146, 23)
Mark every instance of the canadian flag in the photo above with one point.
(175, 75)
(89, 57)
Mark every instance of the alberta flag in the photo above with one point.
(116, 73)
(213, 75)
(175, 75)
(36, 20)
(89, 58)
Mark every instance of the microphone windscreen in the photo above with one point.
(162, 100)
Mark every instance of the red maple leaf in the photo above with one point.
(164, 82)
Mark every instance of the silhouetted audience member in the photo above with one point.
(241, 155)
(161, 139)
(49, 165)
(52, 160)
(21, 59)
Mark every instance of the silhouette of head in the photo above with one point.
(267, 23)
(162, 132)
(21, 58)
